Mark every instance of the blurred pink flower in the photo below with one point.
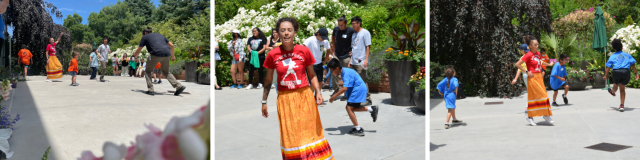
(87, 155)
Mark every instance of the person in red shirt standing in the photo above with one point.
(25, 58)
(301, 132)
(538, 104)
(73, 68)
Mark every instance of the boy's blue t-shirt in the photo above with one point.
(620, 60)
(560, 71)
(356, 88)
(453, 84)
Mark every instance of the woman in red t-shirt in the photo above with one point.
(54, 68)
(538, 104)
(301, 132)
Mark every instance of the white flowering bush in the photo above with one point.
(629, 36)
(129, 51)
(310, 14)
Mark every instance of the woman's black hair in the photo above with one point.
(342, 19)
(293, 22)
(617, 44)
(94, 50)
(148, 30)
(333, 64)
(261, 35)
(236, 35)
(529, 38)
(24, 46)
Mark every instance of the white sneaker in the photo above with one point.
(548, 119)
(259, 85)
(48, 80)
(531, 121)
(249, 86)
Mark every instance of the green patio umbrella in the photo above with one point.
(600, 35)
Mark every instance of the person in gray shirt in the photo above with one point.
(103, 55)
(360, 43)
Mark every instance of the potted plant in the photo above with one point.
(191, 66)
(437, 75)
(596, 71)
(576, 79)
(204, 73)
(418, 81)
(376, 70)
(400, 62)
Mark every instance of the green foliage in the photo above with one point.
(408, 38)
(376, 66)
(117, 23)
(479, 40)
(561, 8)
(142, 7)
(436, 72)
(628, 21)
(45, 156)
(223, 67)
(556, 46)
(577, 74)
(179, 10)
(175, 67)
(227, 9)
(374, 18)
(581, 24)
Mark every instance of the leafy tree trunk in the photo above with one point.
(34, 26)
(480, 40)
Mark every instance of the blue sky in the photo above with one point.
(82, 7)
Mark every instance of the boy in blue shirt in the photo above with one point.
(356, 92)
(558, 79)
(620, 63)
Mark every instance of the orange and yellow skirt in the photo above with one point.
(538, 98)
(301, 132)
(54, 68)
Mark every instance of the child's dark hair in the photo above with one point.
(616, 44)
(563, 57)
(75, 53)
(94, 50)
(24, 46)
(449, 74)
(543, 50)
(529, 38)
(333, 64)
(293, 22)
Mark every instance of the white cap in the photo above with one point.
(236, 31)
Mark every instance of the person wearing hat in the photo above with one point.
(524, 48)
(317, 44)
(236, 49)
(360, 45)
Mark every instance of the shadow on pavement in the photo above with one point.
(433, 147)
(387, 101)
(453, 125)
(625, 109)
(344, 130)
(434, 102)
(143, 92)
(56, 81)
(415, 111)
(29, 139)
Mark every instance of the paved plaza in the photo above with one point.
(242, 133)
(74, 119)
(501, 131)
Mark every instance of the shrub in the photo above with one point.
(581, 23)
(630, 37)
(376, 67)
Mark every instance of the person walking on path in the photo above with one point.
(256, 44)
(559, 79)
(341, 47)
(161, 50)
(93, 63)
(73, 68)
(115, 63)
(54, 68)
(25, 58)
(236, 49)
(448, 88)
(301, 131)
(317, 44)
(620, 63)
(360, 43)
(274, 42)
(538, 104)
(354, 88)
(104, 50)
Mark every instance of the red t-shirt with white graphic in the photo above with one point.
(291, 66)
(534, 64)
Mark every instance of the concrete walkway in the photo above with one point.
(242, 133)
(74, 119)
(501, 131)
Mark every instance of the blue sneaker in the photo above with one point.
(240, 86)
(234, 86)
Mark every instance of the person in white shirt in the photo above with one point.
(317, 44)
(141, 67)
(104, 51)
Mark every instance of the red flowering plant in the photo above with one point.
(419, 79)
(204, 68)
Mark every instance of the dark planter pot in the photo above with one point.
(461, 94)
(399, 74)
(190, 71)
(435, 95)
(598, 82)
(576, 85)
(204, 79)
(584, 64)
(419, 99)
